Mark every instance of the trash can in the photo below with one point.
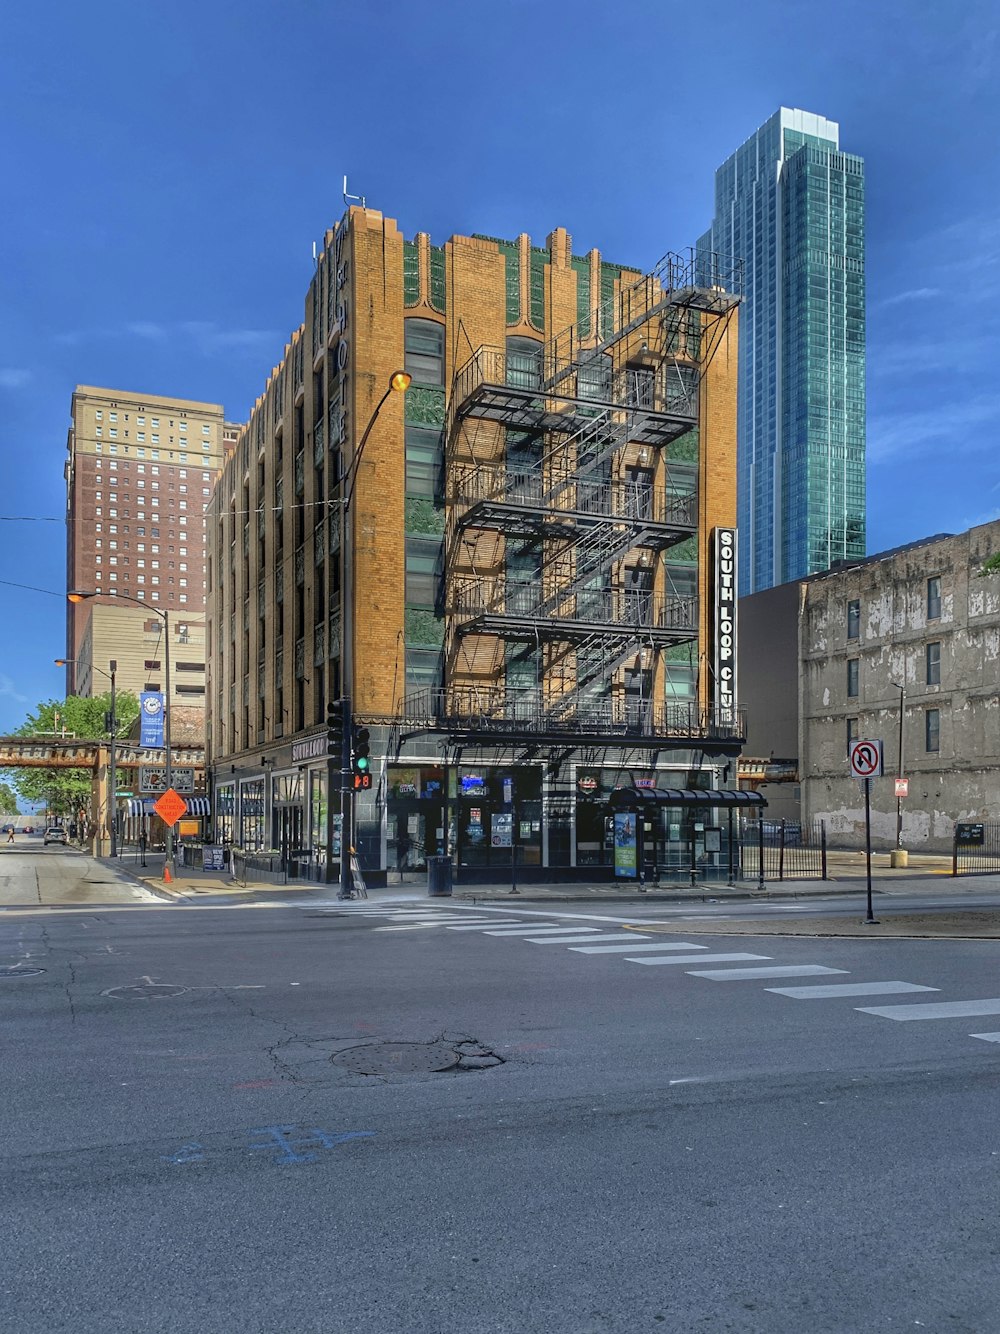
(439, 877)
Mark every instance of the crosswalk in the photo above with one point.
(598, 937)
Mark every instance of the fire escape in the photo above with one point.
(589, 505)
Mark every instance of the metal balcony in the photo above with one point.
(525, 613)
(481, 714)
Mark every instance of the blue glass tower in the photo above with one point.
(792, 205)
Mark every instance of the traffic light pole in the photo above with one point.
(346, 805)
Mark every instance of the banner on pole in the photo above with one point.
(151, 719)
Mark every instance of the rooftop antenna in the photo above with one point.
(358, 198)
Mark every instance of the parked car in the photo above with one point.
(55, 834)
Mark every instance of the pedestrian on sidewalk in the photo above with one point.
(10, 834)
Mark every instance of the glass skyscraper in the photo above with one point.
(792, 205)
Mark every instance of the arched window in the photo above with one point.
(424, 347)
(524, 363)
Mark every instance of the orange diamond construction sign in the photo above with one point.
(170, 807)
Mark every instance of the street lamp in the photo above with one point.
(899, 770)
(112, 732)
(81, 595)
(399, 382)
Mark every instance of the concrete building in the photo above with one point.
(915, 629)
(791, 204)
(134, 639)
(522, 605)
(139, 473)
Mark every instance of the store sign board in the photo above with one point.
(153, 778)
(724, 618)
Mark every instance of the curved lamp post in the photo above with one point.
(112, 732)
(399, 382)
(84, 595)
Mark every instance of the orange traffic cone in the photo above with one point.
(167, 877)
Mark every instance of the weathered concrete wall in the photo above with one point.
(960, 780)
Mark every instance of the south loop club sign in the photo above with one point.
(724, 618)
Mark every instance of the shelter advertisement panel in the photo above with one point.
(626, 860)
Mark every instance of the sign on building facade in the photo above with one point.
(724, 618)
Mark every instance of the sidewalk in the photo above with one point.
(926, 875)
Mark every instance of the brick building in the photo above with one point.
(526, 563)
(139, 473)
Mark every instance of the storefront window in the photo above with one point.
(252, 815)
(415, 826)
(317, 817)
(225, 804)
(498, 815)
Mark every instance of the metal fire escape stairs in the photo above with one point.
(584, 518)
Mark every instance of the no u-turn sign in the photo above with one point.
(866, 759)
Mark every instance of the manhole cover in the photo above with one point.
(144, 991)
(415, 1058)
(15, 970)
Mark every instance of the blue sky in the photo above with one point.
(168, 167)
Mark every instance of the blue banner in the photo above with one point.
(151, 719)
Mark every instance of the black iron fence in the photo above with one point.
(975, 848)
(781, 849)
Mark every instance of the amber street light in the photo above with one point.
(399, 382)
(84, 595)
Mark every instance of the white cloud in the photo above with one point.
(914, 294)
(207, 337)
(13, 377)
(8, 691)
(958, 429)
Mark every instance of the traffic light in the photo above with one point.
(335, 727)
(361, 759)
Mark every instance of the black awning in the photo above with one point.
(629, 798)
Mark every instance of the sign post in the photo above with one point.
(866, 764)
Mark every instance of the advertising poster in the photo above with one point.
(625, 845)
(151, 716)
(503, 830)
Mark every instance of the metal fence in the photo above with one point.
(975, 849)
(781, 849)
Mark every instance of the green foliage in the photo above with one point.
(68, 790)
(992, 566)
(8, 799)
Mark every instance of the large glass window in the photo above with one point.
(934, 664)
(424, 348)
(854, 619)
(424, 461)
(423, 571)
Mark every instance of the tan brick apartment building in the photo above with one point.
(139, 473)
(530, 540)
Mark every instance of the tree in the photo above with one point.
(8, 799)
(66, 791)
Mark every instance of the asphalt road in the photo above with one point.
(670, 1146)
(31, 873)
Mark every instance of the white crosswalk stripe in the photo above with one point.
(751, 974)
(631, 949)
(933, 1009)
(562, 940)
(986, 1037)
(700, 958)
(489, 922)
(834, 989)
(536, 930)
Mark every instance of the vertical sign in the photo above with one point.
(625, 844)
(151, 719)
(724, 619)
